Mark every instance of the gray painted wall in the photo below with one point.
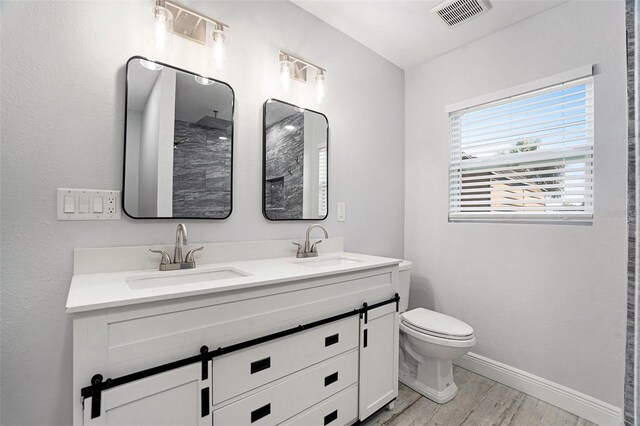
(63, 88)
(547, 299)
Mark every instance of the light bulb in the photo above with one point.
(321, 88)
(219, 36)
(286, 71)
(163, 30)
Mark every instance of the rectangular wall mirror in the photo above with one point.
(295, 162)
(178, 143)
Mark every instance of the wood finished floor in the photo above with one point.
(480, 401)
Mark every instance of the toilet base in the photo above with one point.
(440, 397)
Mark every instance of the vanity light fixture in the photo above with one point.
(296, 68)
(163, 25)
(286, 72)
(219, 36)
(172, 18)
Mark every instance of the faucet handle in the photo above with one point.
(299, 248)
(189, 257)
(165, 257)
(313, 246)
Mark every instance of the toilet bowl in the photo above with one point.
(429, 342)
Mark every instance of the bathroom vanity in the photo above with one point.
(241, 339)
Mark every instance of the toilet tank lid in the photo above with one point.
(436, 322)
(405, 265)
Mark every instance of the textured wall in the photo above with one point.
(201, 171)
(547, 299)
(284, 168)
(62, 110)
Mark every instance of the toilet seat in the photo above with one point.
(437, 325)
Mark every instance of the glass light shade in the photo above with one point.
(286, 72)
(163, 27)
(321, 86)
(219, 36)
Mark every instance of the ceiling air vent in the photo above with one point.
(455, 12)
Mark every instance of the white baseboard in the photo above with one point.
(575, 402)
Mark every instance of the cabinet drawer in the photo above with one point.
(286, 399)
(339, 410)
(239, 372)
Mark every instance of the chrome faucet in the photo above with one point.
(166, 264)
(310, 250)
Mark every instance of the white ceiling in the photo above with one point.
(407, 33)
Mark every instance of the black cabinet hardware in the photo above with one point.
(331, 340)
(260, 413)
(260, 365)
(364, 338)
(331, 378)
(330, 417)
(205, 362)
(204, 402)
(96, 381)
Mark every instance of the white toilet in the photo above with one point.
(429, 341)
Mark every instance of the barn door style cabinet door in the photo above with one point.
(378, 359)
(176, 398)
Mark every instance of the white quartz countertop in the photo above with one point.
(93, 291)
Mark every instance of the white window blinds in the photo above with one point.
(528, 156)
(322, 182)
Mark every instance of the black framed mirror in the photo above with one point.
(178, 143)
(295, 162)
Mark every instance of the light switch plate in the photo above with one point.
(103, 204)
(341, 212)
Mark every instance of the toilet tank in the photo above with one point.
(404, 284)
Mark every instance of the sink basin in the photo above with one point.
(322, 262)
(191, 277)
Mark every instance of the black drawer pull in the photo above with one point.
(260, 365)
(331, 340)
(331, 378)
(204, 402)
(260, 413)
(330, 417)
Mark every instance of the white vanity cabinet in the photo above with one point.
(301, 352)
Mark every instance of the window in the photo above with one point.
(524, 157)
(322, 181)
